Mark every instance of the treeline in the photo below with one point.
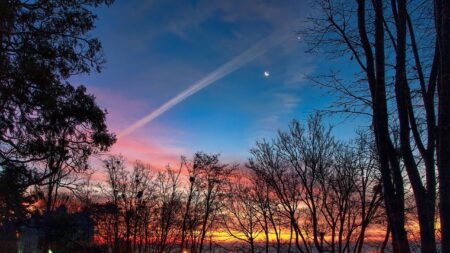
(303, 191)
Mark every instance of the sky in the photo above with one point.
(245, 56)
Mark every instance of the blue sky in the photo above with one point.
(156, 49)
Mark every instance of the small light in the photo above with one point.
(266, 73)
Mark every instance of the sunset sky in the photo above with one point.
(156, 49)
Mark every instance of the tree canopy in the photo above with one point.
(42, 116)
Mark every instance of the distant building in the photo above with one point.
(59, 231)
(8, 238)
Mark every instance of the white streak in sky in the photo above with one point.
(229, 67)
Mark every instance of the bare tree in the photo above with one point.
(240, 217)
(310, 152)
(213, 179)
(267, 163)
(169, 202)
(193, 171)
(396, 53)
(336, 191)
(116, 172)
(368, 188)
(268, 210)
(442, 20)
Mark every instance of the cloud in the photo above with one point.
(298, 70)
(278, 112)
(120, 109)
(156, 145)
(249, 19)
(156, 48)
(227, 68)
(288, 102)
(156, 153)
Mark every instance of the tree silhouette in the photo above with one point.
(396, 46)
(44, 118)
(442, 19)
(329, 191)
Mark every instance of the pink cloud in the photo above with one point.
(153, 153)
(154, 144)
(121, 109)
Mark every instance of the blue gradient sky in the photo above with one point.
(156, 49)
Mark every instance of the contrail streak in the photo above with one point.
(229, 67)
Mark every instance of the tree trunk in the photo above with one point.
(443, 150)
(403, 99)
(290, 238)
(266, 231)
(185, 216)
(386, 239)
(205, 219)
(252, 246)
(389, 164)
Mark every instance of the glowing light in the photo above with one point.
(266, 73)
(227, 68)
